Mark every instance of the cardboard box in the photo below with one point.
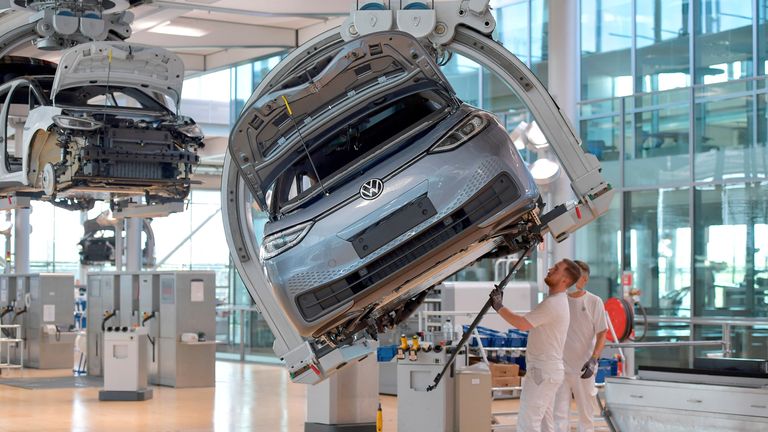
(504, 370)
(506, 381)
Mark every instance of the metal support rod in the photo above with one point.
(468, 333)
(662, 344)
(727, 346)
(242, 335)
(133, 244)
(21, 232)
(119, 229)
(622, 357)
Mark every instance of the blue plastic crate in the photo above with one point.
(386, 353)
(498, 341)
(606, 368)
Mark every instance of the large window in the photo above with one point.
(522, 26)
(603, 137)
(599, 244)
(606, 42)
(206, 98)
(724, 129)
(662, 36)
(658, 149)
(658, 248)
(723, 40)
(731, 249)
(691, 135)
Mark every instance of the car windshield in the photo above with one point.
(352, 143)
(108, 96)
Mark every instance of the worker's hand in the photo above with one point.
(589, 368)
(497, 296)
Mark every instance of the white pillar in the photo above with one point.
(564, 87)
(119, 228)
(348, 397)
(133, 244)
(21, 232)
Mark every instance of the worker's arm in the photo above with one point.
(514, 319)
(599, 344)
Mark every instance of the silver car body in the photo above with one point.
(357, 260)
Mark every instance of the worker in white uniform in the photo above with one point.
(548, 325)
(585, 342)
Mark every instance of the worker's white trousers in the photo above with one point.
(540, 386)
(584, 392)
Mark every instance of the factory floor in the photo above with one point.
(247, 397)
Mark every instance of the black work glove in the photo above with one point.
(589, 368)
(497, 296)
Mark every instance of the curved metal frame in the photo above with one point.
(468, 42)
(17, 36)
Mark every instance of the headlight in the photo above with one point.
(461, 134)
(77, 123)
(191, 130)
(278, 243)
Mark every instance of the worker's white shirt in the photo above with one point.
(587, 319)
(546, 339)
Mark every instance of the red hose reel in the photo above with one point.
(622, 316)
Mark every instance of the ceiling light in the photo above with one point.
(177, 30)
(147, 24)
(544, 171)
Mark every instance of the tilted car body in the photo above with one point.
(378, 183)
(103, 127)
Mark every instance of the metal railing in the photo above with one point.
(726, 325)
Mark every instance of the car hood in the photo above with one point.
(152, 69)
(326, 89)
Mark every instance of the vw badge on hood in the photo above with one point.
(371, 189)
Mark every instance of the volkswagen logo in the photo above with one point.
(371, 189)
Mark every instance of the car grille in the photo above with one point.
(496, 195)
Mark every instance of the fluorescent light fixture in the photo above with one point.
(177, 30)
(544, 171)
(147, 24)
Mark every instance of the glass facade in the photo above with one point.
(731, 256)
(673, 103)
(606, 43)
